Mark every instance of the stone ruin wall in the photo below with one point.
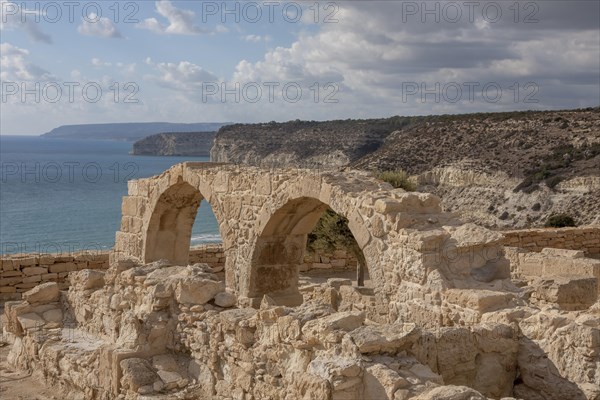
(448, 317)
(586, 239)
(21, 272)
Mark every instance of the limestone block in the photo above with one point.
(26, 261)
(425, 374)
(165, 362)
(87, 279)
(289, 328)
(32, 279)
(386, 206)
(551, 252)
(381, 382)
(197, 291)
(63, 267)
(30, 321)
(170, 379)
(480, 300)
(53, 315)
(44, 293)
(322, 329)
(225, 299)
(29, 271)
(570, 293)
(137, 373)
(450, 393)
(385, 338)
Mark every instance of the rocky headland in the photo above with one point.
(197, 144)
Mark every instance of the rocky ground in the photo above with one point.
(20, 385)
(171, 332)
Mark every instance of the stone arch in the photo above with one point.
(167, 234)
(280, 244)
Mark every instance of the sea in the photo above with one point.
(64, 195)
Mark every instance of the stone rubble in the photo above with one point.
(451, 313)
(144, 333)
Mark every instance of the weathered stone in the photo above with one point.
(30, 321)
(29, 271)
(385, 338)
(322, 329)
(87, 279)
(225, 299)
(137, 373)
(197, 291)
(451, 393)
(570, 293)
(44, 293)
(381, 382)
(54, 315)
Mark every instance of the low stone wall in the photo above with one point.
(551, 262)
(21, 272)
(586, 239)
(211, 254)
(338, 260)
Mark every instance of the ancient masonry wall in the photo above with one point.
(586, 239)
(21, 272)
(338, 260)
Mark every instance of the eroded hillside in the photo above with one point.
(504, 169)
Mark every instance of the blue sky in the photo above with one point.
(191, 61)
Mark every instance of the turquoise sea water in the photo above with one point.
(61, 195)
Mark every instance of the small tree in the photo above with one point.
(560, 221)
(398, 179)
(331, 233)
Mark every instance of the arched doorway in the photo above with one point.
(279, 251)
(169, 230)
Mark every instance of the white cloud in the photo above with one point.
(96, 62)
(15, 66)
(103, 27)
(371, 52)
(180, 22)
(12, 16)
(183, 76)
(257, 38)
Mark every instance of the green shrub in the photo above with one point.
(553, 181)
(559, 221)
(331, 233)
(398, 179)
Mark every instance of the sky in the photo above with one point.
(77, 62)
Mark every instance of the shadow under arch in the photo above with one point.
(169, 231)
(279, 251)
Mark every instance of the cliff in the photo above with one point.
(175, 144)
(328, 144)
(127, 131)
